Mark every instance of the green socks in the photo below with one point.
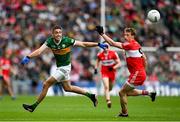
(88, 94)
(35, 104)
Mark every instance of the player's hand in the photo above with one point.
(95, 71)
(25, 60)
(110, 68)
(102, 45)
(100, 29)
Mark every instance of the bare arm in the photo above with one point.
(118, 63)
(145, 60)
(97, 63)
(38, 51)
(111, 42)
(85, 44)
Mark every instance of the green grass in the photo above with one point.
(81, 109)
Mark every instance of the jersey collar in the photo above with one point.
(58, 42)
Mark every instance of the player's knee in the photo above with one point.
(121, 93)
(106, 88)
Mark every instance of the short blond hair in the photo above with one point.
(130, 30)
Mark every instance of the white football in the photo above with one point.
(153, 16)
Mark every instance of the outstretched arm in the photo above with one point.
(111, 42)
(90, 44)
(100, 30)
(85, 44)
(38, 51)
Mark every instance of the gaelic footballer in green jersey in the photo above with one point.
(61, 48)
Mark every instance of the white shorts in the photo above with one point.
(62, 73)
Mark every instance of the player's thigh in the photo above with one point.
(6, 78)
(6, 81)
(62, 73)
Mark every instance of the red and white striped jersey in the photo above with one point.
(133, 53)
(107, 59)
(5, 65)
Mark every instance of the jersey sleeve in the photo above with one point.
(127, 45)
(47, 42)
(71, 41)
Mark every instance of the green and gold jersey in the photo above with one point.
(61, 51)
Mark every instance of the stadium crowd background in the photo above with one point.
(25, 25)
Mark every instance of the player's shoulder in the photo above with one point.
(49, 39)
(133, 44)
(66, 39)
(100, 54)
(136, 44)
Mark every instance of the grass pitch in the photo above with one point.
(80, 108)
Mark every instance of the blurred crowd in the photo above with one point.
(25, 25)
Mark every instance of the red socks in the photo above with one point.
(144, 92)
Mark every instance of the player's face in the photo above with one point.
(57, 34)
(128, 36)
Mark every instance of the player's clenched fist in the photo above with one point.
(25, 60)
(100, 29)
(102, 45)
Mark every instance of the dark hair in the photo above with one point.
(130, 30)
(56, 27)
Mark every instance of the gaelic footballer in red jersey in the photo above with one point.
(136, 63)
(5, 70)
(5, 66)
(110, 61)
